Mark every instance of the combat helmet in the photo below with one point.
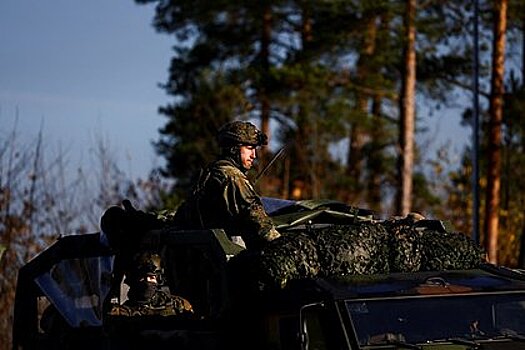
(237, 133)
(145, 264)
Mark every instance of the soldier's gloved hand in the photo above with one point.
(272, 234)
(139, 220)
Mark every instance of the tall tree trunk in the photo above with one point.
(407, 112)
(265, 67)
(309, 130)
(264, 99)
(357, 133)
(375, 164)
(492, 202)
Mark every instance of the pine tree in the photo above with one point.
(492, 202)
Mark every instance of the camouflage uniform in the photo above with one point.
(145, 299)
(223, 197)
(161, 304)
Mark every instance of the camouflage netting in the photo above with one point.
(404, 247)
(352, 249)
(449, 251)
(289, 257)
(359, 249)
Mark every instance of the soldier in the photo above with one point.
(223, 196)
(144, 296)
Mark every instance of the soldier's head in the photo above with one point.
(239, 140)
(144, 276)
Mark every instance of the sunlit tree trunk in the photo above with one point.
(521, 258)
(492, 202)
(407, 112)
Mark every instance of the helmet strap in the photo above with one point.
(233, 153)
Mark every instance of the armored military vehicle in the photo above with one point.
(339, 278)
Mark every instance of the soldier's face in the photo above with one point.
(248, 156)
(151, 279)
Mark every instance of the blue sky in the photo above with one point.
(85, 69)
(89, 69)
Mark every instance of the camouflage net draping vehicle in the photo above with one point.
(338, 278)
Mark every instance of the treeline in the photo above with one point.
(43, 196)
(324, 75)
(341, 84)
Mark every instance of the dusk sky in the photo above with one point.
(85, 70)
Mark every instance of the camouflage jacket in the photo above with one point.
(161, 304)
(223, 197)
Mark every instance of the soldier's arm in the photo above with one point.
(246, 205)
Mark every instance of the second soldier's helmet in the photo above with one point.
(239, 133)
(145, 264)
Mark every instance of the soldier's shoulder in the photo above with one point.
(121, 310)
(161, 304)
(226, 168)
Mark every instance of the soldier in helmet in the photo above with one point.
(223, 196)
(144, 296)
